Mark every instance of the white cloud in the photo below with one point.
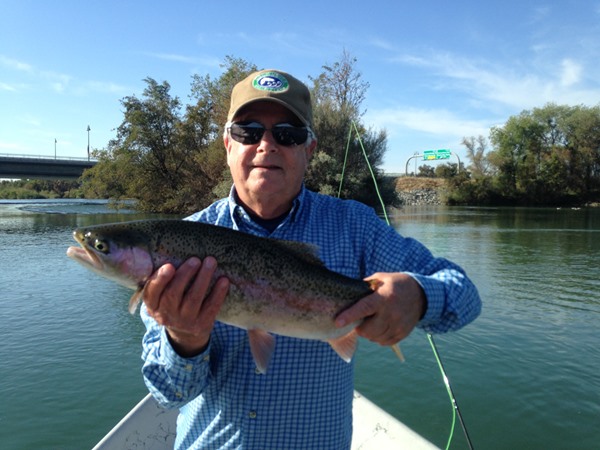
(9, 147)
(433, 121)
(57, 81)
(107, 87)
(7, 87)
(381, 44)
(571, 72)
(192, 60)
(15, 64)
(518, 86)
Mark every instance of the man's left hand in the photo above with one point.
(391, 312)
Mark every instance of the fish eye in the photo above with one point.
(101, 246)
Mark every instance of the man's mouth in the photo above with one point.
(266, 167)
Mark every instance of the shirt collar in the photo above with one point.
(238, 213)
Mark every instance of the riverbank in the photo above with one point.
(420, 191)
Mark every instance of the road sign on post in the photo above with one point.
(432, 155)
(429, 155)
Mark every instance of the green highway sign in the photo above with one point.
(429, 155)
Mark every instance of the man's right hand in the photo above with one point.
(182, 300)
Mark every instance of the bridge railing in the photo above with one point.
(58, 158)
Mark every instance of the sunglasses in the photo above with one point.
(284, 134)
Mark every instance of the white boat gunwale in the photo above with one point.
(152, 427)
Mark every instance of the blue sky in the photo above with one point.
(438, 71)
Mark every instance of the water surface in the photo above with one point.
(525, 374)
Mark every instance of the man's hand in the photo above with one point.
(184, 303)
(391, 312)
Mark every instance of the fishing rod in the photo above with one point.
(455, 409)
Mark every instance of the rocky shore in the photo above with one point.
(419, 197)
(417, 191)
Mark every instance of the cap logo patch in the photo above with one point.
(270, 81)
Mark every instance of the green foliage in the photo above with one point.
(171, 158)
(426, 171)
(174, 162)
(448, 170)
(39, 189)
(547, 156)
(338, 93)
(171, 162)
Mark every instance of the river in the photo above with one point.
(525, 374)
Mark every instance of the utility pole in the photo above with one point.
(55, 141)
(88, 130)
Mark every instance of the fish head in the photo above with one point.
(114, 255)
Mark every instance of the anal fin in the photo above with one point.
(262, 345)
(345, 346)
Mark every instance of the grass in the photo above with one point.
(407, 184)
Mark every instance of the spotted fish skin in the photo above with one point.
(276, 286)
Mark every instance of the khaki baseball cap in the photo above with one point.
(275, 86)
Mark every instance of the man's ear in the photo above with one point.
(311, 148)
(226, 141)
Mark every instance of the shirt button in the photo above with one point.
(257, 371)
(188, 367)
(252, 414)
(206, 358)
(178, 394)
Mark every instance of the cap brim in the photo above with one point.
(269, 99)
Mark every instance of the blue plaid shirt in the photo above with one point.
(304, 401)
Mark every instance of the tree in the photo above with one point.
(548, 155)
(174, 162)
(476, 153)
(170, 162)
(337, 94)
(213, 98)
(426, 171)
(447, 170)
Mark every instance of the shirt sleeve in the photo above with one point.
(172, 380)
(452, 299)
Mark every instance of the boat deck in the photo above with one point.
(150, 427)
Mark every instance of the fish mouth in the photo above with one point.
(85, 257)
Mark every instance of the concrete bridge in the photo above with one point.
(42, 167)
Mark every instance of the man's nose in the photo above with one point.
(267, 142)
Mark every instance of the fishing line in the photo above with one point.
(454, 403)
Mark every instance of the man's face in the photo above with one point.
(267, 173)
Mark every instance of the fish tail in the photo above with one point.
(374, 283)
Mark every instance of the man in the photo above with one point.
(205, 367)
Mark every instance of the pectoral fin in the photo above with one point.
(345, 346)
(262, 345)
(135, 300)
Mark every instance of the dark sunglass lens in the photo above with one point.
(290, 135)
(283, 134)
(246, 134)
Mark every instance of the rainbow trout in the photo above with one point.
(276, 286)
